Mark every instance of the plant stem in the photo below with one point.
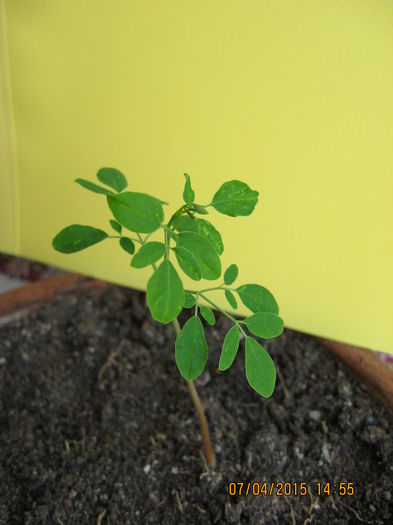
(207, 444)
(140, 238)
(224, 313)
(221, 287)
(167, 242)
(120, 236)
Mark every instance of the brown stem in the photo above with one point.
(207, 444)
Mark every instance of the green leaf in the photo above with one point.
(113, 178)
(185, 223)
(149, 253)
(93, 187)
(189, 300)
(209, 232)
(265, 325)
(115, 225)
(76, 237)
(127, 244)
(229, 348)
(235, 198)
(203, 227)
(191, 349)
(165, 293)
(188, 193)
(231, 274)
(208, 315)
(257, 298)
(260, 369)
(138, 212)
(187, 263)
(231, 299)
(204, 252)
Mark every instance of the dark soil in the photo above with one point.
(97, 427)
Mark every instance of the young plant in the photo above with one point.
(195, 245)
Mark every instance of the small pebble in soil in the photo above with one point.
(315, 415)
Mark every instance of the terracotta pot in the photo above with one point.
(371, 371)
(20, 301)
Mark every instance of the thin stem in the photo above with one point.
(167, 242)
(140, 238)
(207, 444)
(120, 236)
(196, 303)
(228, 316)
(206, 440)
(147, 236)
(216, 307)
(208, 289)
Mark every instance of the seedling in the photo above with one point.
(191, 244)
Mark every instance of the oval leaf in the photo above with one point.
(76, 237)
(165, 293)
(208, 315)
(257, 298)
(127, 245)
(203, 227)
(231, 299)
(204, 252)
(231, 274)
(188, 193)
(185, 223)
(235, 198)
(265, 325)
(93, 187)
(191, 349)
(149, 253)
(187, 263)
(229, 348)
(260, 369)
(115, 225)
(189, 300)
(113, 178)
(136, 211)
(209, 232)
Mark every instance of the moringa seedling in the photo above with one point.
(190, 244)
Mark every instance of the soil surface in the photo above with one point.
(96, 426)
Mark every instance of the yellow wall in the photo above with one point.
(9, 213)
(294, 98)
